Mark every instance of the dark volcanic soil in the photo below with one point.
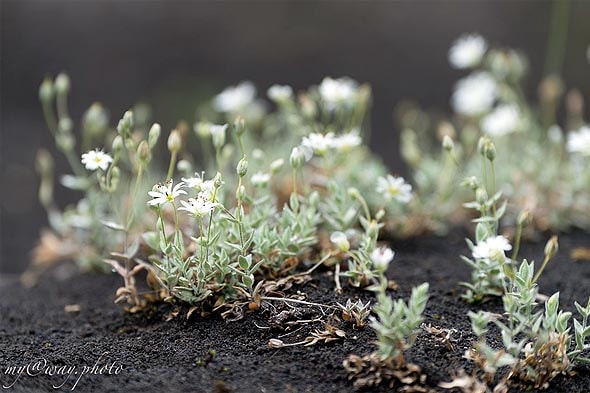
(173, 356)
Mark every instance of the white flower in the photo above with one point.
(492, 247)
(199, 206)
(198, 182)
(579, 141)
(335, 92)
(260, 179)
(280, 93)
(218, 134)
(164, 193)
(394, 188)
(475, 94)
(235, 98)
(381, 258)
(317, 143)
(503, 120)
(340, 240)
(346, 142)
(467, 51)
(95, 159)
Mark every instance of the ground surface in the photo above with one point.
(173, 356)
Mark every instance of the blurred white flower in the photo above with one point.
(503, 120)
(260, 179)
(492, 247)
(280, 93)
(475, 94)
(235, 98)
(381, 258)
(394, 188)
(346, 142)
(340, 240)
(579, 141)
(316, 143)
(95, 159)
(335, 92)
(199, 206)
(218, 134)
(164, 193)
(467, 51)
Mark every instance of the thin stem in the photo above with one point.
(543, 266)
(201, 236)
(517, 241)
(50, 119)
(163, 226)
(131, 211)
(172, 165)
(556, 43)
(295, 181)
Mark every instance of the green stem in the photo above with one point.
(131, 211)
(557, 41)
(172, 165)
(201, 237)
(517, 241)
(543, 266)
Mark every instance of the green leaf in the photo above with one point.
(113, 225)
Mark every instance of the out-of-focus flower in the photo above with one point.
(394, 188)
(346, 142)
(579, 141)
(340, 240)
(317, 143)
(218, 134)
(280, 93)
(381, 258)
(467, 51)
(475, 94)
(95, 159)
(492, 247)
(260, 179)
(235, 98)
(335, 92)
(503, 120)
(164, 193)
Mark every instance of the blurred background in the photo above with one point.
(173, 54)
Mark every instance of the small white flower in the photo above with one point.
(217, 132)
(492, 247)
(394, 188)
(95, 159)
(317, 143)
(335, 92)
(346, 142)
(235, 98)
(199, 206)
(381, 258)
(279, 93)
(503, 120)
(195, 181)
(467, 51)
(260, 179)
(164, 193)
(340, 240)
(475, 94)
(579, 141)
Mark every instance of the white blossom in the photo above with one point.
(467, 51)
(316, 143)
(381, 258)
(475, 94)
(503, 120)
(95, 159)
(492, 247)
(335, 92)
(579, 141)
(217, 132)
(346, 142)
(199, 206)
(235, 98)
(260, 179)
(340, 240)
(394, 188)
(164, 193)
(280, 93)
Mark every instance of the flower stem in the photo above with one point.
(172, 165)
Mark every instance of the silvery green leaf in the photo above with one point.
(113, 225)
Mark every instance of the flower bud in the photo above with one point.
(341, 241)
(297, 158)
(241, 192)
(174, 141)
(240, 126)
(380, 214)
(144, 154)
(95, 120)
(551, 247)
(115, 176)
(154, 135)
(65, 141)
(65, 125)
(524, 217)
(276, 165)
(184, 166)
(217, 181)
(62, 84)
(373, 230)
(481, 196)
(354, 193)
(448, 144)
(242, 167)
(125, 124)
(44, 163)
(218, 135)
(46, 91)
(117, 145)
(201, 128)
(490, 150)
